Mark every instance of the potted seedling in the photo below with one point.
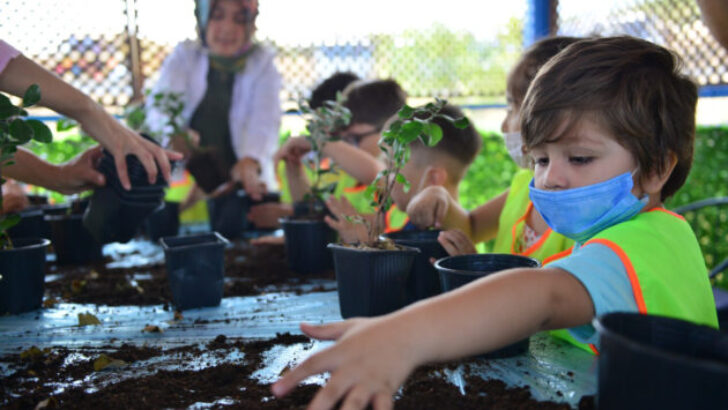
(22, 261)
(306, 233)
(372, 276)
(202, 162)
(456, 271)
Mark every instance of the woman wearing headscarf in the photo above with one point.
(230, 89)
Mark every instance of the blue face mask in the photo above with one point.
(581, 213)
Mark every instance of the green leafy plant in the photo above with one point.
(411, 123)
(16, 130)
(323, 123)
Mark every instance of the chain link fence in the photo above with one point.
(675, 24)
(110, 48)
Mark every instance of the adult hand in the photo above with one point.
(292, 150)
(429, 207)
(350, 231)
(121, 141)
(456, 242)
(266, 215)
(14, 199)
(369, 362)
(247, 172)
(79, 174)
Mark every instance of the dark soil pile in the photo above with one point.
(249, 270)
(229, 385)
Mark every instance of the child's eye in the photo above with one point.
(540, 161)
(580, 160)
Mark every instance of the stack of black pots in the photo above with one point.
(114, 213)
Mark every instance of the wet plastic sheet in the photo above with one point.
(553, 369)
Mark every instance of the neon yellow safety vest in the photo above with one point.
(346, 186)
(512, 222)
(666, 269)
(395, 220)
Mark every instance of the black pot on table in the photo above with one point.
(306, 245)
(195, 269)
(72, 242)
(456, 271)
(656, 362)
(228, 214)
(31, 225)
(22, 275)
(371, 282)
(163, 222)
(424, 281)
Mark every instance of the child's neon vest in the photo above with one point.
(395, 220)
(666, 269)
(512, 222)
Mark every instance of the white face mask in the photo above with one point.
(514, 144)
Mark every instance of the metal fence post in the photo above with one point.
(541, 18)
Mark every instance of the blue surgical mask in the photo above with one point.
(581, 213)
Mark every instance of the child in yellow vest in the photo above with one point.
(443, 166)
(610, 125)
(509, 217)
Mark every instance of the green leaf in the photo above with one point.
(8, 221)
(31, 96)
(435, 132)
(401, 179)
(410, 131)
(65, 124)
(5, 101)
(7, 111)
(41, 132)
(462, 122)
(406, 112)
(20, 131)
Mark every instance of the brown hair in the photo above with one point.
(532, 59)
(373, 102)
(632, 88)
(461, 144)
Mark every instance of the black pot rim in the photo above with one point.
(219, 240)
(43, 242)
(654, 351)
(410, 240)
(407, 249)
(443, 269)
(54, 218)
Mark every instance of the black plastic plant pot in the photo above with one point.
(195, 269)
(31, 225)
(424, 282)
(371, 282)
(456, 271)
(112, 219)
(72, 242)
(22, 275)
(309, 209)
(163, 222)
(228, 214)
(306, 242)
(655, 362)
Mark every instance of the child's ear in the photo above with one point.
(653, 182)
(435, 176)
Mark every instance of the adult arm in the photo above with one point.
(715, 16)
(20, 73)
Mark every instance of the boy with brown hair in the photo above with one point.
(610, 126)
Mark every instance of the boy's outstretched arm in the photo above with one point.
(373, 357)
(356, 162)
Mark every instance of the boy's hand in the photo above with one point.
(349, 231)
(367, 365)
(269, 240)
(247, 172)
(79, 174)
(429, 207)
(456, 242)
(267, 215)
(14, 199)
(292, 150)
